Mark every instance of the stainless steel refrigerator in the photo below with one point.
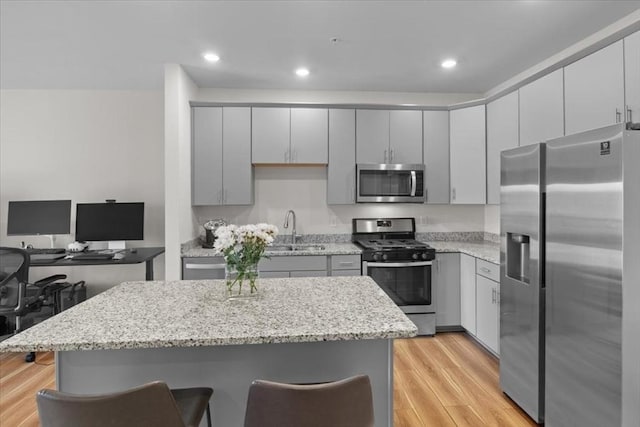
(570, 279)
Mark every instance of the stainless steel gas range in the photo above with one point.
(400, 265)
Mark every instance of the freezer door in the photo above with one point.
(521, 293)
(584, 279)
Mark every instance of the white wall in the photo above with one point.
(86, 146)
(304, 189)
(180, 223)
(492, 219)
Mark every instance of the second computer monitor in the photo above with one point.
(38, 217)
(109, 222)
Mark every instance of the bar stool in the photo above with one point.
(344, 403)
(152, 404)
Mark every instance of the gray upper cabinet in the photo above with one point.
(384, 136)
(467, 162)
(221, 136)
(502, 134)
(309, 135)
(405, 136)
(270, 135)
(206, 156)
(237, 172)
(542, 109)
(372, 136)
(436, 155)
(594, 90)
(341, 172)
(289, 135)
(632, 76)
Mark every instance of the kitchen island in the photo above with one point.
(299, 330)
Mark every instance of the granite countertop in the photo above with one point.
(486, 250)
(193, 313)
(329, 249)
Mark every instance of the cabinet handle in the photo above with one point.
(497, 296)
(493, 296)
(294, 156)
(224, 200)
(385, 156)
(629, 115)
(390, 156)
(453, 194)
(618, 115)
(485, 269)
(219, 198)
(190, 266)
(345, 263)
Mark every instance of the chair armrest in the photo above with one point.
(50, 279)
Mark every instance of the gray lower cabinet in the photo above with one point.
(341, 171)
(221, 156)
(446, 281)
(203, 268)
(468, 293)
(436, 155)
(345, 265)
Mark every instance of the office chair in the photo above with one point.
(18, 297)
(152, 405)
(344, 403)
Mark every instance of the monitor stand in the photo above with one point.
(112, 246)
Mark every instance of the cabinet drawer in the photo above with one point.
(346, 273)
(293, 263)
(488, 270)
(345, 262)
(203, 268)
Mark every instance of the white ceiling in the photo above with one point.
(384, 45)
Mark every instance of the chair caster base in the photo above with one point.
(31, 357)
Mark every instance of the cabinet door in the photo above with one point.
(309, 135)
(446, 279)
(468, 293)
(372, 136)
(341, 172)
(594, 90)
(542, 109)
(436, 155)
(346, 273)
(237, 172)
(468, 165)
(206, 156)
(632, 76)
(487, 312)
(270, 130)
(405, 136)
(502, 134)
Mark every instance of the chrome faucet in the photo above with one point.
(293, 225)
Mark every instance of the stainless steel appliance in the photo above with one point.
(210, 228)
(400, 265)
(570, 269)
(390, 183)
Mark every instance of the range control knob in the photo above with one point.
(414, 256)
(384, 257)
(424, 255)
(376, 257)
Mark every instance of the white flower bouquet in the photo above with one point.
(242, 248)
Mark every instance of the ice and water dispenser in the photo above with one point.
(518, 257)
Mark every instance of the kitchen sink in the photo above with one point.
(296, 247)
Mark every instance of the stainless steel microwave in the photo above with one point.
(389, 183)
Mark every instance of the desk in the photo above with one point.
(145, 255)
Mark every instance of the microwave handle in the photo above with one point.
(413, 183)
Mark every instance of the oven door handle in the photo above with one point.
(413, 183)
(399, 264)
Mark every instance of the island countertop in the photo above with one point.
(157, 314)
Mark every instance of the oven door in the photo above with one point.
(408, 284)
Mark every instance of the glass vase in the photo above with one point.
(241, 281)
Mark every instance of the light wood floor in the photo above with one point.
(446, 380)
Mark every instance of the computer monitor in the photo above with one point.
(39, 217)
(110, 222)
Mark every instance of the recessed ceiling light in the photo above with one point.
(449, 63)
(302, 72)
(211, 57)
